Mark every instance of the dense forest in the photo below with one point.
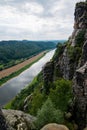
(14, 52)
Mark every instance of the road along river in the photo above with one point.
(12, 87)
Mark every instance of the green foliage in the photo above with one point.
(48, 114)
(62, 94)
(74, 53)
(81, 3)
(80, 38)
(37, 102)
(47, 87)
(5, 79)
(59, 50)
(18, 101)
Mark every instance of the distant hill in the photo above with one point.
(57, 41)
(13, 52)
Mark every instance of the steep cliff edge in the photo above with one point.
(80, 78)
(70, 62)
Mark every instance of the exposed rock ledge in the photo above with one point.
(18, 120)
(80, 94)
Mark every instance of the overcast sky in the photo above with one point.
(36, 19)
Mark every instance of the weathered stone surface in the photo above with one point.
(84, 51)
(3, 125)
(18, 120)
(80, 20)
(80, 94)
(26, 102)
(81, 15)
(48, 71)
(54, 126)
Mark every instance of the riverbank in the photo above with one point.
(14, 71)
(12, 87)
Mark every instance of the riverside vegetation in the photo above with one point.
(59, 93)
(14, 52)
(16, 73)
(11, 54)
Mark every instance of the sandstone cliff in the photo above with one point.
(70, 62)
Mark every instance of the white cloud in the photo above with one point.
(33, 7)
(34, 20)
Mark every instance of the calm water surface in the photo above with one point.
(11, 88)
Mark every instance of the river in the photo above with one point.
(12, 87)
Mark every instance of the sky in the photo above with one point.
(36, 19)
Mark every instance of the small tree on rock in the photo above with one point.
(48, 114)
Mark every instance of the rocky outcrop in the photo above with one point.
(81, 15)
(84, 51)
(80, 78)
(54, 126)
(80, 20)
(48, 71)
(72, 65)
(80, 94)
(3, 125)
(27, 100)
(18, 120)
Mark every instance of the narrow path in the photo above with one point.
(15, 68)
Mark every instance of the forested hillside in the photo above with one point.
(14, 52)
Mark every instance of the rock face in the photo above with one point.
(80, 78)
(48, 70)
(80, 94)
(3, 125)
(77, 69)
(84, 51)
(54, 126)
(18, 120)
(81, 16)
(80, 20)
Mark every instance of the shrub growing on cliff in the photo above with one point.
(62, 94)
(48, 114)
(80, 38)
(59, 50)
(74, 53)
(37, 102)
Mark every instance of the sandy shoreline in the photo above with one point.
(15, 68)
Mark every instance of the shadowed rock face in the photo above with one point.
(80, 94)
(84, 51)
(3, 125)
(48, 70)
(80, 78)
(80, 20)
(81, 16)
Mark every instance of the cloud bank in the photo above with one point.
(36, 19)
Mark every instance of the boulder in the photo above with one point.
(18, 120)
(54, 126)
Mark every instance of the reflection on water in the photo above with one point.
(13, 86)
